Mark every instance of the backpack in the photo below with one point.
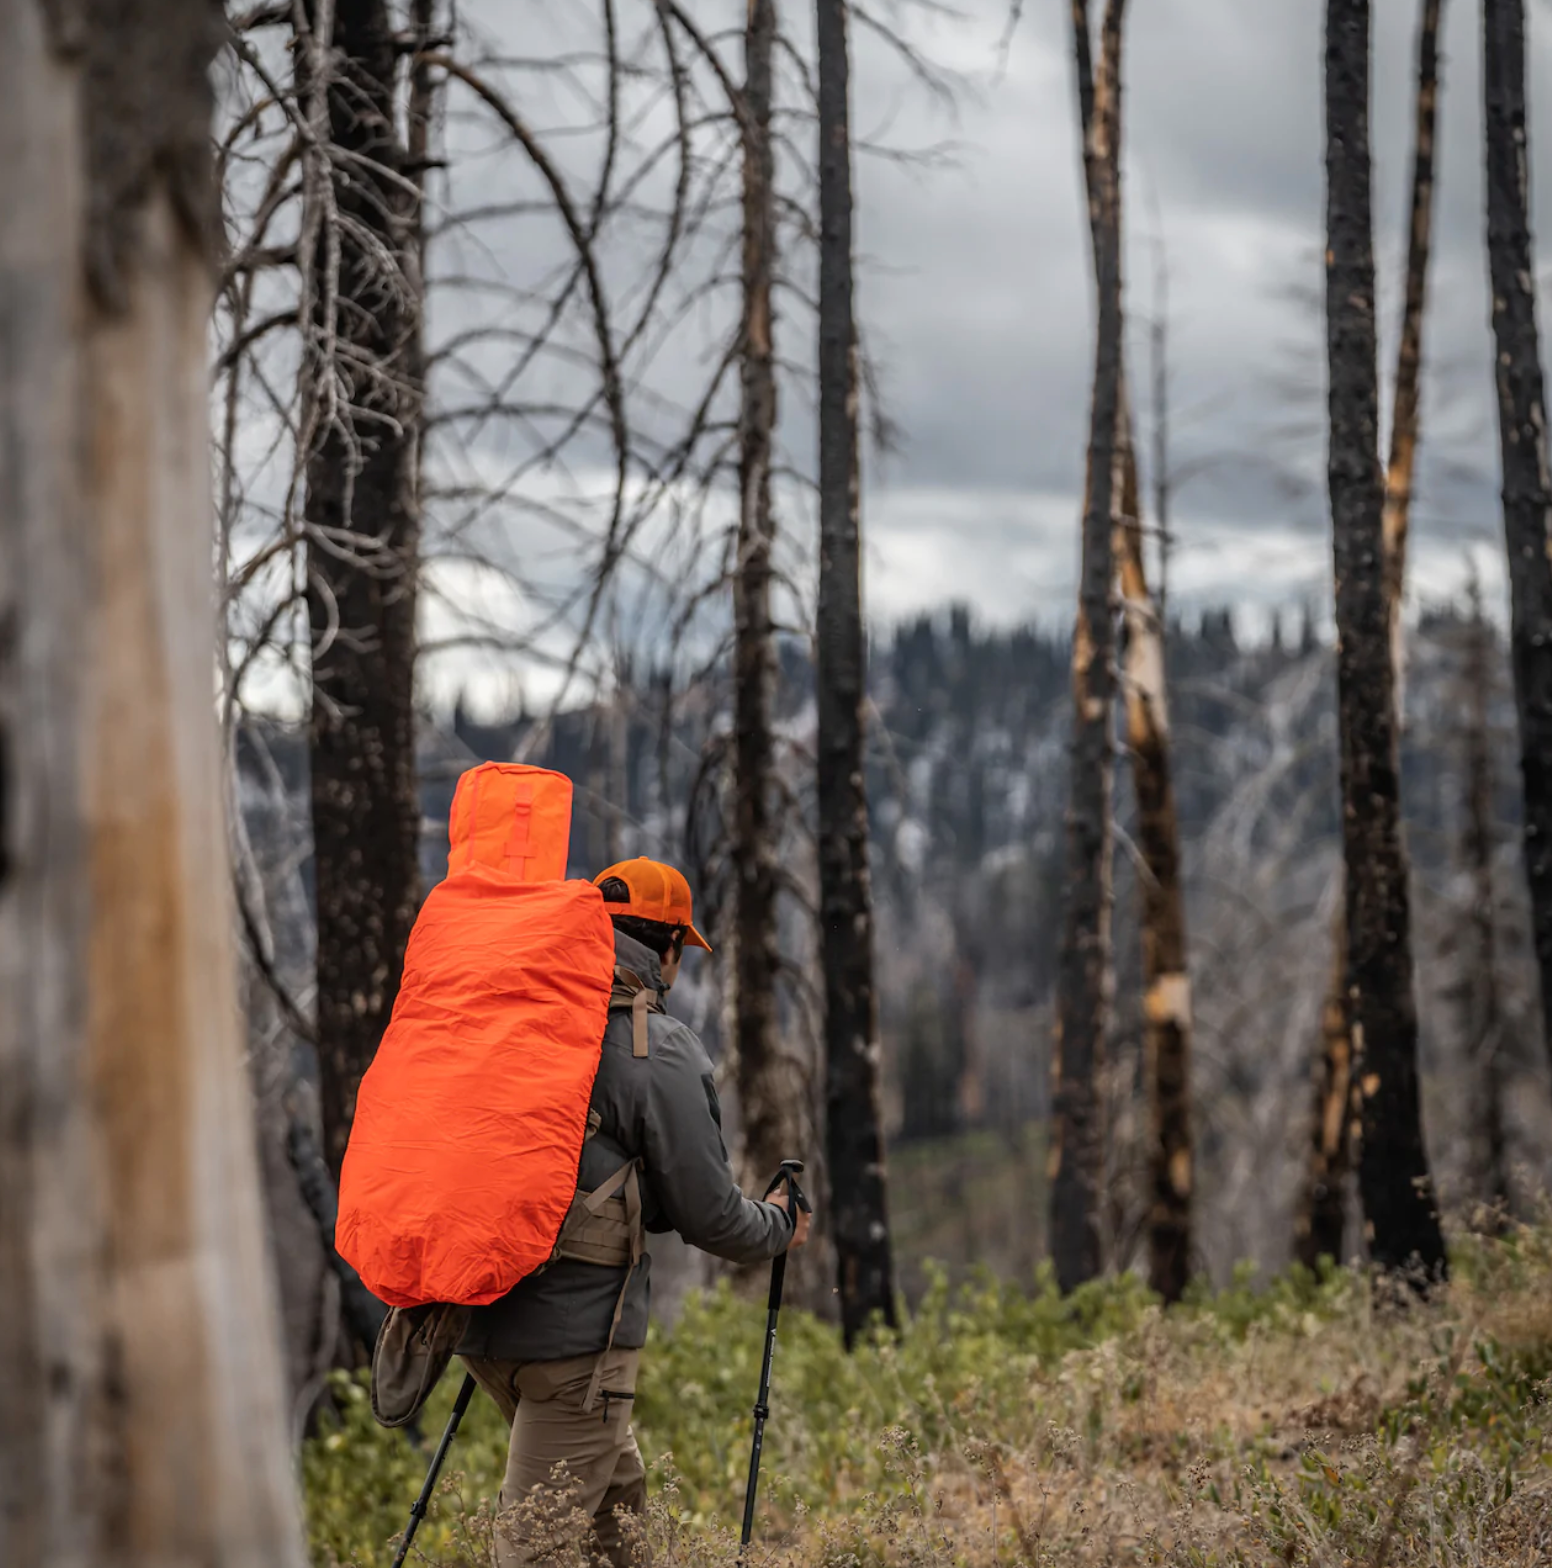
(462, 1162)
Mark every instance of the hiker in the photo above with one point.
(559, 1352)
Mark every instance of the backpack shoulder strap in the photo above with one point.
(630, 993)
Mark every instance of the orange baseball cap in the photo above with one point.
(658, 893)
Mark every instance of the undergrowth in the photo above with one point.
(1309, 1422)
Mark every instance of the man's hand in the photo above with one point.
(800, 1233)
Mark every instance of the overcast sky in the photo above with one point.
(977, 300)
(975, 295)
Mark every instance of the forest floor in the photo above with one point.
(1305, 1422)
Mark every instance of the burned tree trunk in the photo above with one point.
(1077, 1139)
(1483, 1008)
(772, 1086)
(1319, 1226)
(1167, 1002)
(1167, 999)
(855, 1140)
(139, 1353)
(1522, 431)
(1405, 415)
(1398, 1199)
(363, 527)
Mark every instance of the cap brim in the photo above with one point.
(693, 938)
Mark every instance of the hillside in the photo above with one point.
(968, 788)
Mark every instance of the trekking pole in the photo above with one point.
(418, 1507)
(788, 1174)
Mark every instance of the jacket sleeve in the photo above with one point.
(686, 1160)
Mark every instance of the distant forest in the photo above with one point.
(967, 783)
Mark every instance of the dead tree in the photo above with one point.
(772, 1086)
(1167, 999)
(138, 1318)
(1522, 430)
(1480, 996)
(1083, 980)
(1405, 419)
(363, 363)
(1319, 1224)
(855, 1142)
(1398, 1199)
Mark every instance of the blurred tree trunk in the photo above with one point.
(1484, 1011)
(1319, 1224)
(1398, 1198)
(139, 1352)
(1167, 999)
(772, 1086)
(366, 371)
(855, 1146)
(1083, 979)
(1522, 428)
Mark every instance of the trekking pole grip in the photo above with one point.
(787, 1177)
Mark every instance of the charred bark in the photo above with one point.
(772, 1085)
(1319, 1226)
(1398, 1199)
(1077, 1143)
(855, 1141)
(1167, 999)
(1522, 431)
(1405, 419)
(363, 532)
(1484, 1022)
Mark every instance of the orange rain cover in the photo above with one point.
(468, 1129)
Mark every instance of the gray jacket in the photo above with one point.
(663, 1110)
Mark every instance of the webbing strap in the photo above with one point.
(520, 836)
(631, 991)
(626, 1179)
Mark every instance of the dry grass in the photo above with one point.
(1311, 1427)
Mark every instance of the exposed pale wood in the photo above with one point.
(139, 1354)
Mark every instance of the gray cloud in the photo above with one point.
(976, 304)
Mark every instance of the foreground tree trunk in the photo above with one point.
(855, 1140)
(772, 1086)
(1522, 431)
(139, 1353)
(1398, 1198)
(1077, 1139)
(1318, 1230)
(363, 531)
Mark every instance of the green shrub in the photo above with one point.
(1006, 1426)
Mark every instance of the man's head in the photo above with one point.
(651, 902)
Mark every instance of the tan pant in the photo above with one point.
(602, 1464)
